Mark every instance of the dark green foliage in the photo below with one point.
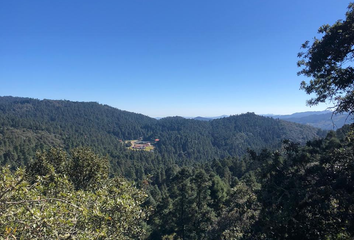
(236, 134)
(238, 216)
(204, 214)
(218, 192)
(298, 191)
(307, 192)
(185, 211)
(29, 125)
(87, 170)
(84, 168)
(328, 62)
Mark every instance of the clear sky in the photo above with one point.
(162, 57)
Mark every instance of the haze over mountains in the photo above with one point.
(325, 120)
(321, 119)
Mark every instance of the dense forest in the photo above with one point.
(66, 172)
(28, 125)
(206, 180)
(297, 191)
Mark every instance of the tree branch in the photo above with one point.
(10, 189)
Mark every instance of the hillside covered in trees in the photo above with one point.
(28, 125)
(238, 177)
(295, 192)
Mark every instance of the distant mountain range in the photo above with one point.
(298, 114)
(325, 120)
(199, 118)
(322, 119)
(209, 118)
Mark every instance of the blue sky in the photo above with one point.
(162, 57)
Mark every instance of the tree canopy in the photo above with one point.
(48, 200)
(328, 61)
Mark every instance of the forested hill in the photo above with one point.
(28, 125)
(56, 116)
